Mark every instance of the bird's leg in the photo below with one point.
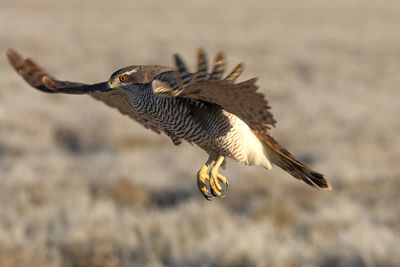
(202, 177)
(215, 186)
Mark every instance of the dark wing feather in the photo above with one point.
(241, 99)
(38, 78)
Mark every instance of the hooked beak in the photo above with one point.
(113, 84)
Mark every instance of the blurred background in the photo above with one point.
(82, 185)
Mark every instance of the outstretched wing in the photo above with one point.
(38, 78)
(241, 99)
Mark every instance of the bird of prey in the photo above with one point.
(223, 117)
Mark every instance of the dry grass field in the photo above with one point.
(82, 185)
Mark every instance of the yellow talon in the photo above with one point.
(215, 177)
(223, 180)
(201, 183)
(202, 177)
(214, 186)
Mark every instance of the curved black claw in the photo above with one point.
(224, 190)
(213, 192)
(222, 193)
(208, 197)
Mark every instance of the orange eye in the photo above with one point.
(122, 78)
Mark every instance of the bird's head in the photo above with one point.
(138, 74)
(125, 76)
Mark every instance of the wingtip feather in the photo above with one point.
(14, 58)
(219, 56)
(236, 72)
(9, 51)
(200, 51)
(327, 188)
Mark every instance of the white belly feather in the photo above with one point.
(254, 152)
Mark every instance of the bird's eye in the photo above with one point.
(122, 78)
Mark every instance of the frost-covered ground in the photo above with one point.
(81, 185)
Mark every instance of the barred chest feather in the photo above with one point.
(213, 129)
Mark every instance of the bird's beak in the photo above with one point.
(113, 84)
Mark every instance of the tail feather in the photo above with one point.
(282, 158)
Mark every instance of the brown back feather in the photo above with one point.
(241, 99)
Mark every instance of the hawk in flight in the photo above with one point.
(223, 117)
